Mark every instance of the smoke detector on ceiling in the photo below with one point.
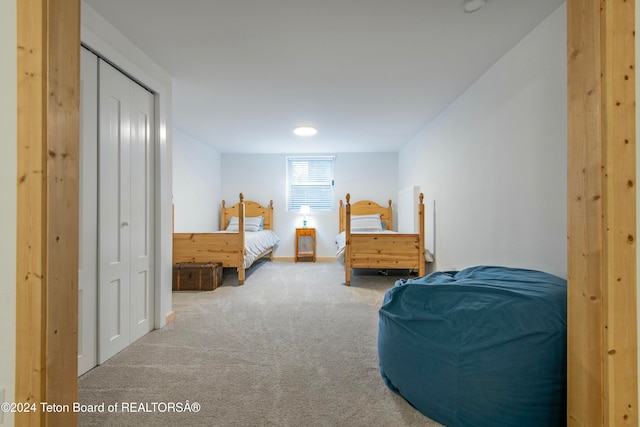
(473, 5)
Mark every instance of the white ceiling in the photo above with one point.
(369, 74)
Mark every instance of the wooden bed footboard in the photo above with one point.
(225, 248)
(384, 250)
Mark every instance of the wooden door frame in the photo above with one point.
(602, 302)
(602, 344)
(48, 125)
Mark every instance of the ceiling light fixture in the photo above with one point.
(305, 130)
(473, 5)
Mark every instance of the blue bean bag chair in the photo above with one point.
(485, 346)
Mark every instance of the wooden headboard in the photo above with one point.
(251, 208)
(366, 207)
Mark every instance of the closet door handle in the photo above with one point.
(125, 223)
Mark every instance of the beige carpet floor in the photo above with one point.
(293, 346)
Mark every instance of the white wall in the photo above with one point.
(197, 187)
(105, 40)
(8, 173)
(262, 177)
(495, 161)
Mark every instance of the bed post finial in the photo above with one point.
(348, 197)
(271, 204)
(241, 197)
(223, 203)
(421, 198)
(390, 202)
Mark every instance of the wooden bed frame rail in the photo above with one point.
(381, 250)
(225, 248)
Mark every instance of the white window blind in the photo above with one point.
(310, 182)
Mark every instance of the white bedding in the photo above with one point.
(255, 243)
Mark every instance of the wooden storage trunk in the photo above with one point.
(191, 276)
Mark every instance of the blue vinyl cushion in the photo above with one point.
(485, 346)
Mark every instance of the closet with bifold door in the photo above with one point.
(116, 261)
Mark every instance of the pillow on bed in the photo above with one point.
(251, 223)
(366, 223)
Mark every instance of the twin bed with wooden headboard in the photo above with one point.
(247, 236)
(367, 239)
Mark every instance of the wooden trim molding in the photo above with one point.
(293, 259)
(620, 275)
(30, 228)
(171, 316)
(602, 303)
(48, 51)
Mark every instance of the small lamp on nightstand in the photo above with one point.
(304, 211)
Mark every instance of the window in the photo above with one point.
(310, 182)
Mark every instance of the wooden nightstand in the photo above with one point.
(306, 243)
